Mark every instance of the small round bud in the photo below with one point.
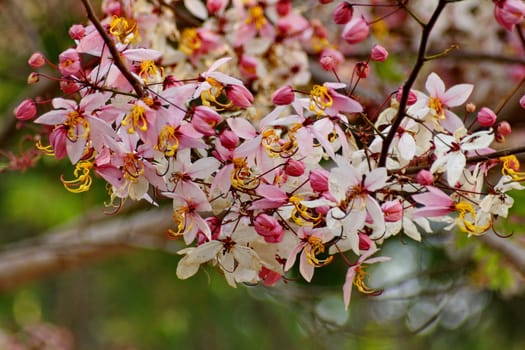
(283, 96)
(378, 53)
(412, 97)
(504, 128)
(424, 177)
(330, 59)
(229, 139)
(77, 31)
(343, 13)
(294, 167)
(37, 60)
(486, 117)
(470, 107)
(33, 78)
(26, 110)
(356, 31)
(522, 101)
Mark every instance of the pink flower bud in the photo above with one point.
(508, 13)
(424, 177)
(216, 6)
(77, 31)
(26, 110)
(378, 53)
(33, 78)
(269, 277)
(330, 59)
(343, 13)
(36, 60)
(392, 210)
(268, 227)
(69, 62)
(486, 117)
(362, 70)
(412, 97)
(283, 7)
(294, 167)
(239, 95)
(283, 96)
(68, 86)
(324, 2)
(504, 128)
(229, 139)
(205, 119)
(355, 31)
(319, 180)
(365, 242)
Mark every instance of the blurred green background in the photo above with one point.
(431, 300)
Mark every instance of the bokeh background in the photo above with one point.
(446, 293)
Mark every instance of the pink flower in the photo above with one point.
(435, 203)
(77, 31)
(319, 180)
(69, 62)
(355, 275)
(378, 53)
(343, 13)
(216, 6)
(269, 277)
(229, 139)
(37, 60)
(26, 110)
(283, 96)
(57, 140)
(239, 95)
(355, 31)
(294, 167)
(508, 13)
(268, 227)
(486, 117)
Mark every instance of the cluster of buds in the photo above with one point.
(265, 174)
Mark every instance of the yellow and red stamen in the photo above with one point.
(82, 181)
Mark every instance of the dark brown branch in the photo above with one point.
(81, 244)
(115, 54)
(427, 29)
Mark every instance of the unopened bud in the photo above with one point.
(355, 31)
(470, 107)
(229, 139)
(412, 97)
(330, 59)
(283, 96)
(294, 167)
(239, 95)
(343, 13)
(37, 60)
(378, 53)
(33, 78)
(486, 117)
(26, 110)
(425, 177)
(504, 128)
(77, 31)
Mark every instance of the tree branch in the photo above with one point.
(81, 244)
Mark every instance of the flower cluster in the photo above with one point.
(264, 169)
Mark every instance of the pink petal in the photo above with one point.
(434, 85)
(457, 95)
(242, 128)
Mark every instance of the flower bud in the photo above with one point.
(229, 139)
(392, 211)
(522, 101)
(378, 53)
(294, 167)
(37, 60)
(343, 13)
(362, 70)
(412, 97)
(77, 31)
(33, 78)
(268, 227)
(204, 120)
(283, 7)
(283, 96)
(504, 128)
(470, 107)
(508, 13)
(330, 59)
(216, 6)
(486, 117)
(355, 31)
(26, 110)
(365, 242)
(319, 180)
(239, 95)
(425, 177)
(269, 277)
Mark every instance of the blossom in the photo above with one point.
(37, 60)
(508, 13)
(69, 62)
(26, 110)
(355, 275)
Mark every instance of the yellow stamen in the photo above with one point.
(133, 167)
(124, 30)
(46, 150)
(168, 142)
(303, 215)
(214, 97)
(82, 181)
(466, 210)
(277, 147)
(136, 119)
(320, 99)
(180, 219)
(242, 177)
(435, 104)
(359, 282)
(190, 41)
(74, 122)
(256, 17)
(148, 68)
(511, 165)
(314, 248)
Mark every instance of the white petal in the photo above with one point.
(196, 8)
